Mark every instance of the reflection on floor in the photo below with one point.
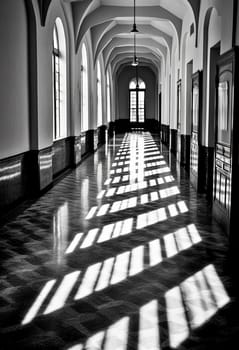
(121, 254)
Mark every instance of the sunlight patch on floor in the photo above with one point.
(195, 301)
(62, 292)
(149, 326)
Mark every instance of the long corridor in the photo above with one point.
(121, 254)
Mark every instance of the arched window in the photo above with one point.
(108, 97)
(59, 81)
(84, 90)
(133, 83)
(137, 100)
(99, 96)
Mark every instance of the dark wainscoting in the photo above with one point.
(101, 135)
(173, 141)
(87, 142)
(152, 125)
(185, 151)
(12, 180)
(205, 171)
(62, 155)
(46, 167)
(24, 176)
(27, 175)
(38, 171)
(70, 151)
(76, 142)
(122, 125)
(111, 129)
(83, 143)
(95, 139)
(90, 141)
(165, 134)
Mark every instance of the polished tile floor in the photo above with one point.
(121, 254)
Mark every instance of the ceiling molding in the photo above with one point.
(195, 6)
(79, 9)
(148, 61)
(120, 29)
(142, 51)
(148, 43)
(106, 13)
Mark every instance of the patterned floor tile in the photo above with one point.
(121, 254)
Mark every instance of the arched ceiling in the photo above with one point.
(123, 30)
(148, 43)
(128, 53)
(110, 22)
(149, 60)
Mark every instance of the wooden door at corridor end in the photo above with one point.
(225, 189)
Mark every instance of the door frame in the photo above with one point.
(137, 90)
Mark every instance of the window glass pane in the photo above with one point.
(84, 90)
(132, 85)
(99, 96)
(142, 84)
(108, 98)
(141, 99)
(55, 38)
(141, 116)
(59, 81)
(133, 114)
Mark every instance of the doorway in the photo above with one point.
(137, 101)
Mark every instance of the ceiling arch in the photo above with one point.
(147, 30)
(79, 11)
(106, 13)
(128, 57)
(149, 60)
(110, 22)
(99, 30)
(151, 67)
(128, 52)
(149, 43)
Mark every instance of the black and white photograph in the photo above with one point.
(119, 174)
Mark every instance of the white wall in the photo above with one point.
(237, 28)
(14, 101)
(44, 69)
(214, 36)
(224, 14)
(45, 101)
(14, 119)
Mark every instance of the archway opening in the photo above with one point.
(137, 90)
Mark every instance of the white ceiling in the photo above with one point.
(166, 18)
(177, 7)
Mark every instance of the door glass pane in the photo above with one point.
(141, 106)
(133, 106)
(137, 102)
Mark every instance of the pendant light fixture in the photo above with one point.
(134, 29)
(135, 59)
